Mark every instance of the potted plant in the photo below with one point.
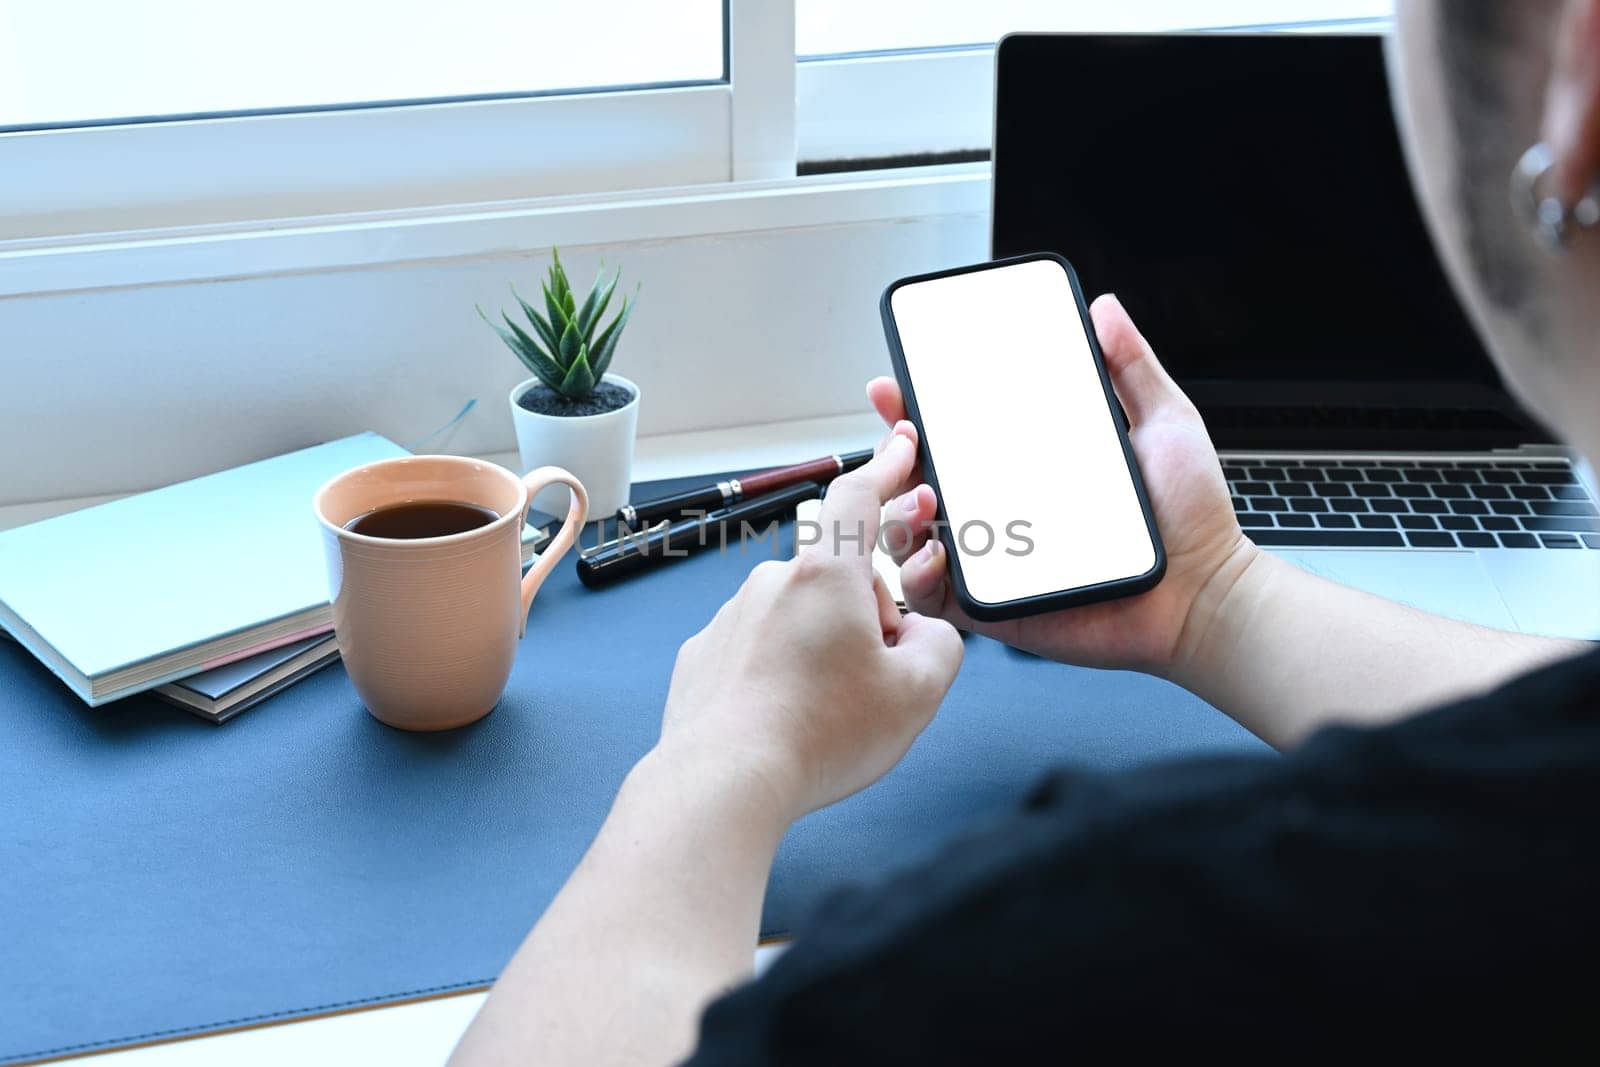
(573, 412)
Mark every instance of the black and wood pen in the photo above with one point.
(732, 490)
(724, 529)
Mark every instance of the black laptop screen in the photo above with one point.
(1247, 199)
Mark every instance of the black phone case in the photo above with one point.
(1043, 602)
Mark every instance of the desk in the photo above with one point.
(421, 1034)
(334, 833)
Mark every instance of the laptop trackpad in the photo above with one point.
(1551, 592)
(1454, 584)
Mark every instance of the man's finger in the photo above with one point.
(1142, 384)
(850, 511)
(922, 581)
(905, 522)
(884, 441)
(888, 610)
(925, 585)
(884, 394)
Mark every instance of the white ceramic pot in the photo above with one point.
(597, 448)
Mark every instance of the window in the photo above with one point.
(120, 116)
(161, 58)
(182, 116)
(889, 80)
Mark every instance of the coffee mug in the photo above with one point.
(428, 626)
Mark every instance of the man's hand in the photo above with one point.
(1205, 548)
(809, 677)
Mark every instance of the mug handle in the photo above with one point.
(577, 512)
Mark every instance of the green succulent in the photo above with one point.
(565, 347)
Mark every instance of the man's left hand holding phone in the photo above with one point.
(1189, 497)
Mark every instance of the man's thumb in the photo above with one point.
(1142, 384)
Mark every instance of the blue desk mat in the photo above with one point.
(161, 876)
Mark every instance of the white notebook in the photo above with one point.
(125, 596)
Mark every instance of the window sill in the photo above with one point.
(294, 246)
(667, 455)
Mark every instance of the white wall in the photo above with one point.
(111, 390)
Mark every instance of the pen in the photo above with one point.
(732, 490)
(639, 550)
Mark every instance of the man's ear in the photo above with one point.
(1571, 125)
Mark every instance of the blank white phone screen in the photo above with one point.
(1020, 432)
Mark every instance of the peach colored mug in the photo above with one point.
(428, 627)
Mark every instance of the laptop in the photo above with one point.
(1246, 198)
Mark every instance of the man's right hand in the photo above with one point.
(1206, 551)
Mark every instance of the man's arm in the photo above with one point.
(807, 686)
(1284, 652)
(660, 918)
(1279, 649)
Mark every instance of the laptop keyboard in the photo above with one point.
(1320, 502)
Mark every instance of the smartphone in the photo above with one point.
(1041, 505)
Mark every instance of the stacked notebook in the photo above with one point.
(220, 694)
(214, 592)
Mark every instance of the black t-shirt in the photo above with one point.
(1437, 875)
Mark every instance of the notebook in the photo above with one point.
(218, 695)
(125, 596)
(128, 595)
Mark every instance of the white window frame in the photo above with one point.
(157, 176)
(212, 198)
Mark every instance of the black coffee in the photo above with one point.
(421, 518)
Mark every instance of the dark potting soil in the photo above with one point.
(607, 396)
